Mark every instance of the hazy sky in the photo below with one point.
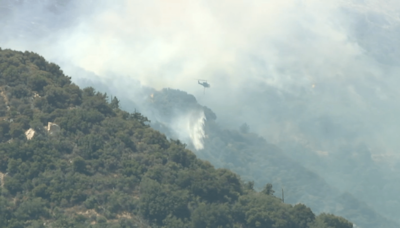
(276, 62)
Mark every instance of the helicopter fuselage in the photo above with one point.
(204, 84)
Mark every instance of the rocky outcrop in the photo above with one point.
(30, 133)
(2, 179)
(52, 128)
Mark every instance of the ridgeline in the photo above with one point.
(72, 158)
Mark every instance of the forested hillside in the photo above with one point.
(72, 158)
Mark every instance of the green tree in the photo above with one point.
(16, 130)
(268, 189)
(212, 215)
(31, 209)
(79, 165)
(302, 216)
(157, 201)
(329, 220)
(114, 103)
(37, 82)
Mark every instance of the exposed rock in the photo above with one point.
(2, 179)
(5, 98)
(30, 133)
(52, 128)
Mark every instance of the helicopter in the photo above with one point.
(203, 83)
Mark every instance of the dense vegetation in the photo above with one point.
(107, 168)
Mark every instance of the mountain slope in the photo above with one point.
(87, 163)
(257, 160)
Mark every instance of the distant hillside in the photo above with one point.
(235, 147)
(257, 160)
(70, 158)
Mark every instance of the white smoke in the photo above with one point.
(190, 126)
(197, 132)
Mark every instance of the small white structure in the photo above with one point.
(52, 128)
(30, 133)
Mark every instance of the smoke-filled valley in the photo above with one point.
(303, 93)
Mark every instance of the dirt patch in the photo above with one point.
(86, 213)
(2, 179)
(90, 213)
(4, 96)
(124, 215)
(5, 99)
